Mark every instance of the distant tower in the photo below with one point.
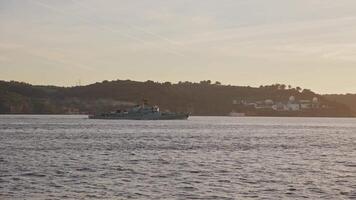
(315, 103)
(315, 100)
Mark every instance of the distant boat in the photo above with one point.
(141, 112)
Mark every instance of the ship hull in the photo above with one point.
(176, 116)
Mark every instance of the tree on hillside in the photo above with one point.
(298, 88)
(207, 82)
(282, 87)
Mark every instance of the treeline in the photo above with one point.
(203, 98)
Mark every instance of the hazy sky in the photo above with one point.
(307, 43)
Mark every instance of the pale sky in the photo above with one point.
(307, 43)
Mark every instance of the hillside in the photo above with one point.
(347, 99)
(204, 98)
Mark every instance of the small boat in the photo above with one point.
(141, 112)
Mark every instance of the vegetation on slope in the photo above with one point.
(347, 99)
(204, 98)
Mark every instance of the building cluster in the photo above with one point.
(291, 105)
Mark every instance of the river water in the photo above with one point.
(71, 157)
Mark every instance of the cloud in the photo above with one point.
(105, 27)
(10, 46)
(3, 58)
(131, 26)
(54, 57)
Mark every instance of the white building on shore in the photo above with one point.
(291, 105)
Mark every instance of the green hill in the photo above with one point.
(204, 98)
(347, 99)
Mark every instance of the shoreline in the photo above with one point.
(246, 116)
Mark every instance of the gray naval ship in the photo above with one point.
(141, 112)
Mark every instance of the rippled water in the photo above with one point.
(71, 157)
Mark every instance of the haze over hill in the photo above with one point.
(204, 98)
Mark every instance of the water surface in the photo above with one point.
(71, 157)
